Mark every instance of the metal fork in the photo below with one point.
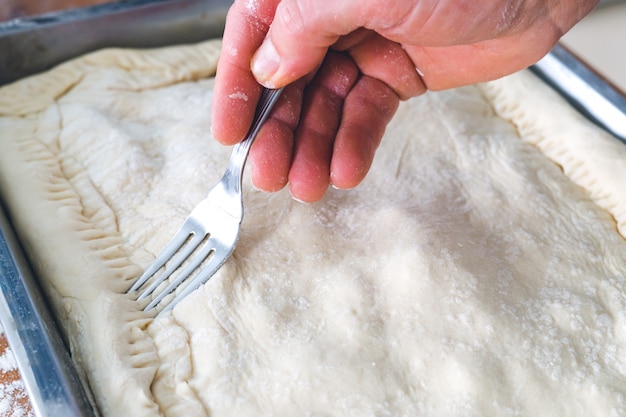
(209, 235)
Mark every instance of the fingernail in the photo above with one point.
(265, 63)
(296, 199)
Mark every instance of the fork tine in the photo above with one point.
(195, 261)
(168, 251)
(203, 276)
(175, 260)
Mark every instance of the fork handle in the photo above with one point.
(238, 157)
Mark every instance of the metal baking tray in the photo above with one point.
(28, 46)
(34, 44)
(585, 89)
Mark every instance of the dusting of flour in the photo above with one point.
(13, 398)
(238, 96)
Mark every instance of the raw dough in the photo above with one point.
(469, 275)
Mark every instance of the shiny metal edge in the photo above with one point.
(606, 3)
(46, 368)
(585, 90)
(35, 44)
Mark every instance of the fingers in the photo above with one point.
(309, 175)
(233, 106)
(324, 131)
(236, 91)
(366, 112)
(271, 153)
(387, 61)
(300, 35)
(327, 130)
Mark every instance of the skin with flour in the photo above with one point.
(333, 116)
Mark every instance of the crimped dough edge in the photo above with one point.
(588, 155)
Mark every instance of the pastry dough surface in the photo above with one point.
(479, 270)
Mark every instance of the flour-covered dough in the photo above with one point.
(479, 270)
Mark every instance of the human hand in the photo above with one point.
(349, 62)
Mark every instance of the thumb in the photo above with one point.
(298, 39)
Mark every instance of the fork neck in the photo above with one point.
(236, 164)
(233, 175)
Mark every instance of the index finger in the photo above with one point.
(236, 91)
